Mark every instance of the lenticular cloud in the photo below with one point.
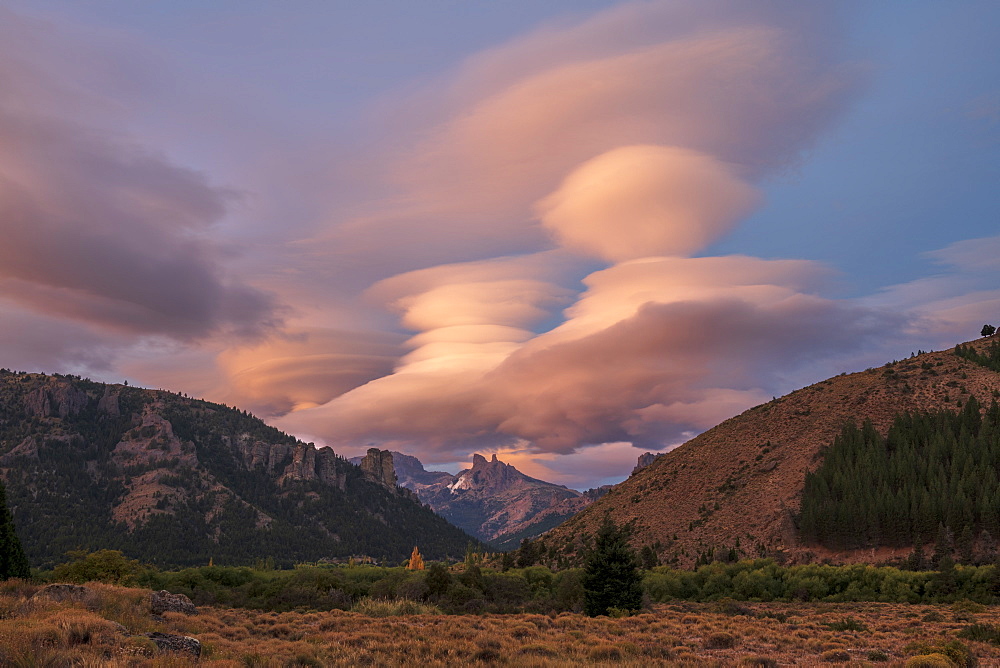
(576, 142)
(641, 201)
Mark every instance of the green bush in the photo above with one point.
(109, 566)
(981, 633)
(953, 650)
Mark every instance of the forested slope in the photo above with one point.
(177, 481)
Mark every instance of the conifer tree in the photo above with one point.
(13, 563)
(611, 576)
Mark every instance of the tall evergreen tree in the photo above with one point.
(13, 563)
(611, 575)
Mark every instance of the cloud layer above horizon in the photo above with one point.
(527, 266)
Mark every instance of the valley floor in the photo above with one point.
(726, 633)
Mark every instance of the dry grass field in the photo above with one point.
(101, 630)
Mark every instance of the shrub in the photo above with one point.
(849, 624)
(606, 653)
(953, 650)
(109, 566)
(877, 655)
(376, 608)
(728, 606)
(981, 633)
(720, 640)
(835, 656)
(929, 661)
(758, 662)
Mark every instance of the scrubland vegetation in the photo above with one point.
(751, 613)
(100, 631)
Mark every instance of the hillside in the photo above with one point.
(176, 481)
(738, 486)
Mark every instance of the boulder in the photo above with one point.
(164, 601)
(168, 642)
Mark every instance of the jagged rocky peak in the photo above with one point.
(645, 459)
(377, 465)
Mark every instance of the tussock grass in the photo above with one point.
(102, 631)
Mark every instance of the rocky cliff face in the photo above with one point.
(377, 465)
(176, 481)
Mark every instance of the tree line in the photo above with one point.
(932, 478)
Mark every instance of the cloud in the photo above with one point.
(99, 230)
(634, 137)
(652, 350)
(302, 369)
(629, 137)
(506, 129)
(951, 306)
(638, 201)
(36, 342)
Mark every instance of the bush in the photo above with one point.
(376, 608)
(109, 566)
(720, 640)
(849, 624)
(953, 650)
(929, 661)
(981, 633)
(836, 656)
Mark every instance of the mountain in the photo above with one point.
(736, 489)
(412, 474)
(492, 500)
(176, 481)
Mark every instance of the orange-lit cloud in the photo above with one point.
(740, 88)
(638, 201)
(652, 349)
(633, 135)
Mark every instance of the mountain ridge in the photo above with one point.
(178, 481)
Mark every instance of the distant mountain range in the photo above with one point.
(492, 500)
(177, 481)
(737, 489)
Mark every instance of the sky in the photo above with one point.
(565, 232)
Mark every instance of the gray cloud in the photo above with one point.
(99, 230)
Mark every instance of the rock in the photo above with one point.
(37, 404)
(595, 493)
(62, 592)
(644, 460)
(67, 400)
(108, 403)
(164, 601)
(377, 466)
(119, 629)
(168, 642)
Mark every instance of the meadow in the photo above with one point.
(101, 630)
